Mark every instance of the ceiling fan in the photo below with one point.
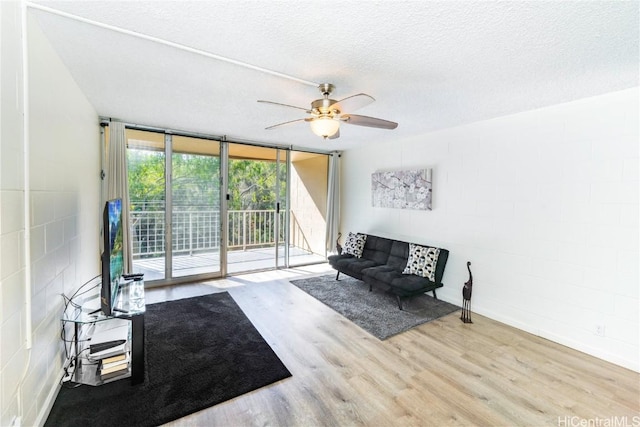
(327, 114)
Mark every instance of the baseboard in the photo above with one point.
(633, 365)
(49, 401)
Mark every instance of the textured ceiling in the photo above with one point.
(430, 65)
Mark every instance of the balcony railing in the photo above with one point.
(199, 231)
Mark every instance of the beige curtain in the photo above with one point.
(333, 202)
(118, 184)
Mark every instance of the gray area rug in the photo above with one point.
(377, 311)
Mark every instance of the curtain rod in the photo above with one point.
(104, 121)
(167, 43)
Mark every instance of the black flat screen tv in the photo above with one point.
(112, 257)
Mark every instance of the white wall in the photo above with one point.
(64, 221)
(11, 211)
(543, 203)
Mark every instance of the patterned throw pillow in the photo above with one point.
(422, 261)
(354, 244)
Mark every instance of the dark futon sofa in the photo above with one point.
(385, 263)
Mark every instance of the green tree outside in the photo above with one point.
(196, 181)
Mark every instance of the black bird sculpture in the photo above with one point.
(466, 297)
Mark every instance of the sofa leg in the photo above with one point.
(434, 294)
(399, 302)
(337, 275)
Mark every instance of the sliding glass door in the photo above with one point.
(195, 207)
(282, 208)
(146, 163)
(256, 208)
(181, 176)
(187, 226)
(277, 208)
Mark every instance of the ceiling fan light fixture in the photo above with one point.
(324, 126)
(327, 114)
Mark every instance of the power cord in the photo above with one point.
(72, 360)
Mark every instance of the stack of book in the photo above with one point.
(114, 366)
(108, 347)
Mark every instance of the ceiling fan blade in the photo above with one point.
(286, 123)
(352, 103)
(306, 110)
(335, 135)
(372, 122)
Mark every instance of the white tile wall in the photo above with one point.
(64, 221)
(543, 203)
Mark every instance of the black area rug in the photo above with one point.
(377, 311)
(199, 352)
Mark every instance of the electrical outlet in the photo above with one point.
(599, 330)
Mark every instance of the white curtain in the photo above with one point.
(118, 184)
(333, 202)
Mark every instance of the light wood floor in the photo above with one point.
(441, 373)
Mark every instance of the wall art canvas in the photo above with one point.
(408, 189)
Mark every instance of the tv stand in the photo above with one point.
(130, 306)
